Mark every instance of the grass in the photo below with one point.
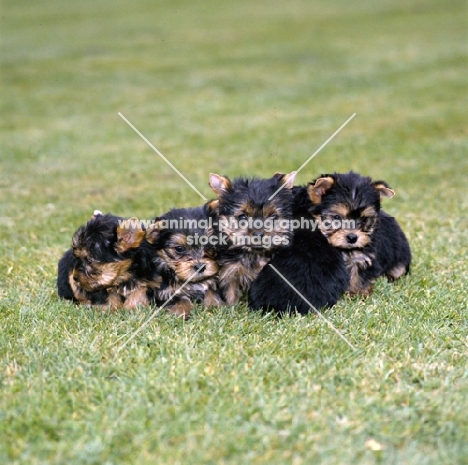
(237, 88)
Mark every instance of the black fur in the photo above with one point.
(65, 265)
(312, 266)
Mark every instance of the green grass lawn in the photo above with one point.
(236, 88)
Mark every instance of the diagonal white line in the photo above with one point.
(157, 311)
(163, 157)
(317, 151)
(312, 307)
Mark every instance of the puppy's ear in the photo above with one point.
(76, 237)
(319, 187)
(384, 189)
(212, 206)
(154, 230)
(96, 213)
(287, 180)
(130, 234)
(219, 184)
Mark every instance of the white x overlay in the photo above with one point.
(163, 157)
(157, 311)
(316, 152)
(312, 307)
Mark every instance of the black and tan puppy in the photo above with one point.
(180, 260)
(251, 220)
(347, 210)
(97, 270)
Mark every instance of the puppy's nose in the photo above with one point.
(351, 238)
(198, 267)
(257, 234)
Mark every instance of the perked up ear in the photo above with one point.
(130, 234)
(384, 189)
(153, 231)
(319, 187)
(212, 206)
(287, 180)
(219, 184)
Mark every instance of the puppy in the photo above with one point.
(251, 221)
(180, 261)
(347, 210)
(98, 268)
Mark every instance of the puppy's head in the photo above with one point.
(182, 242)
(102, 249)
(254, 213)
(346, 207)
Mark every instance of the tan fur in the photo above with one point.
(288, 180)
(112, 274)
(129, 235)
(114, 301)
(355, 261)
(213, 205)
(317, 190)
(253, 211)
(396, 272)
(188, 290)
(155, 283)
(136, 297)
(100, 275)
(369, 212)
(240, 235)
(80, 253)
(235, 277)
(338, 238)
(153, 230)
(212, 299)
(182, 308)
(184, 266)
(340, 209)
(107, 276)
(78, 292)
(384, 190)
(219, 183)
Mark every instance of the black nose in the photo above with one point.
(198, 266)
(257, 234)
(351, 238)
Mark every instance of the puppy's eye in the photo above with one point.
(242, 217)
(366, 222)
(336, 218)
(179, 249)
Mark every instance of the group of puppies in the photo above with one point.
(289, 247)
